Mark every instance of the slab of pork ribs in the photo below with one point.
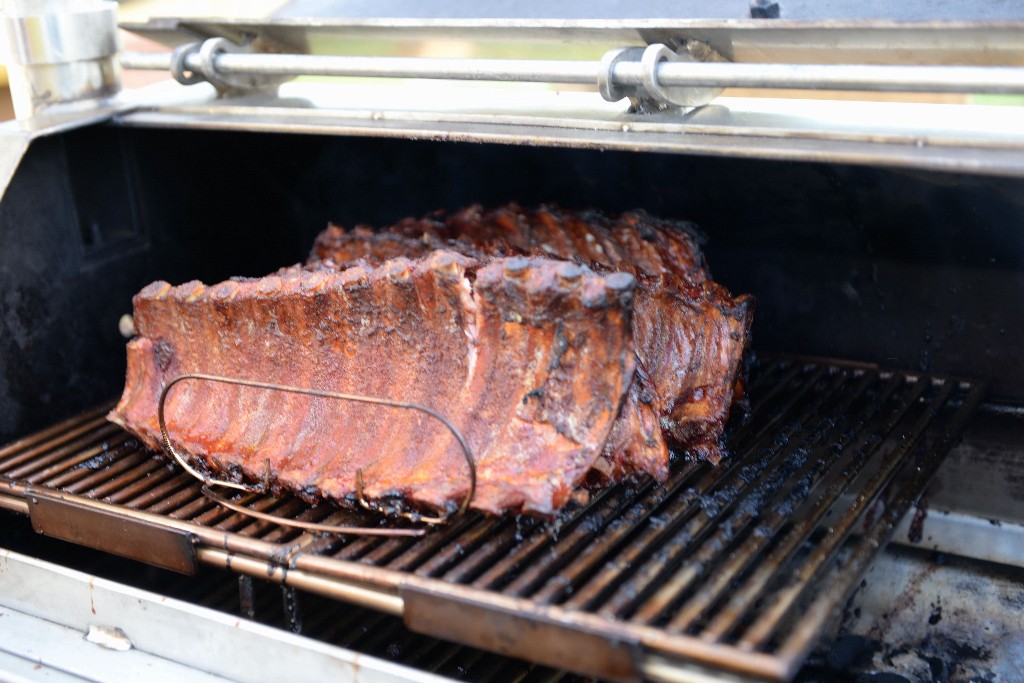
(689, 332)
(530, 358)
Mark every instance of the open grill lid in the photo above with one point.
(663, 78)
(695, 50)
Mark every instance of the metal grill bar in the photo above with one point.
(154, 476)
(764, 627)
(578, 542)
(779, 399)
(705, 505)
(53, 436)
(457, 563)
(709, 568)
(131, 458)
(603, 555)
(159, 493)
(192, 509)
(537, 556)
(175, 501)
(659, 527)
(770, 526)
(750, 503)
(771, 515)
(442, 549)
(58, 462)
(842, 584)
(29, 462)
(743, 598)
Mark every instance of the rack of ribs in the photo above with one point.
(690, 333)
(529, 358)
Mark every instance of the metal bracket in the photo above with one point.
(520, 631)
(78, 522)
(651, 96)
(193, 63)
(59, 55)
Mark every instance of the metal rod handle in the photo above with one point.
(934, 79)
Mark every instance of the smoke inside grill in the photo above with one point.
(730, 567)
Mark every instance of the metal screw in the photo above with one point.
(764, 9)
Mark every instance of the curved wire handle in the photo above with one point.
(208, 482)
(308, 526)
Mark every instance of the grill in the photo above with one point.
(736, 567)
(880, 240)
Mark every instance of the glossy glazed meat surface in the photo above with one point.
(690, 333)
(530, 360)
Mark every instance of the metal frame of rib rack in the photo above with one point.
(736, 568)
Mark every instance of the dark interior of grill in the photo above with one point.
(910, 271)
(905, 268)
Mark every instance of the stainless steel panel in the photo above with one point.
(205, 644)
(975, 139)
(869, 41)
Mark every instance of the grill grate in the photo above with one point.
(737, 567)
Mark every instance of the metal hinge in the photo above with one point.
(226, 83)
(650, 95)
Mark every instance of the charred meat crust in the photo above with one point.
(690, 333)
(530, 361)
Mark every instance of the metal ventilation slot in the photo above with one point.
(736, 567)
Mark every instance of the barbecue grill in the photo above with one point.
(878, 237)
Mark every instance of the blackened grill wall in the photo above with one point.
(904, 268)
